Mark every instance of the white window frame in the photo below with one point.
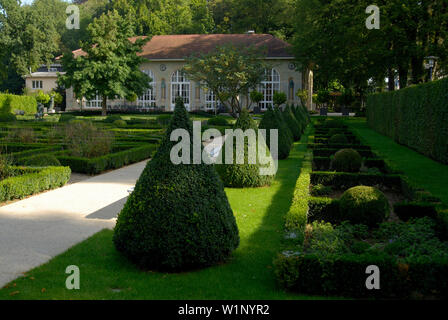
(37, 84)
(180, 86)
(211, 100)
(268, 87)
(149, 98)
(94, 103)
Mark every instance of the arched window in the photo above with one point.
(148, 99)
(211, 100)
(95, 102)
(180, 87)
(268, 87)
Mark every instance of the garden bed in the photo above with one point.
(327, 250)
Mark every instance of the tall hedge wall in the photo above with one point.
(27, 104)
(416, 117)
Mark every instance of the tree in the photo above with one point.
(279, 98)
(178, 216)
(230, 72)
(271, 121)
(28, 38)
(245, 175)
(110, 67)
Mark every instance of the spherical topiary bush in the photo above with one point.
(41, 160)
(338, 139)
(112, 118)
(244, 175)
(66, 117)
(178, 216)
(120, 123)
(270, 121)
(293, 124)
(364, 205)
(346, 160)
(218, 121)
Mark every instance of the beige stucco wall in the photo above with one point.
(48, 83)
(196, 103)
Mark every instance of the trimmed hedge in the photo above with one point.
(10, 103)
(106, 162)
(345, 180)
(416, 117)
(28, 181)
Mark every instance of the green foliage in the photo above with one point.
(120, 123)
(270, 121)
(407, 210)
(218, 121)
(344, 180)
(7, 117)
(41, 160)
(294, 126)
(364, 205)
(111, 118)
(5, 166)
(229, 72)
(84, 139)
(346, 160)
(109, 161)
(29, 181)
(178, 216)
(66, 117)
(321, 190)
(244, 175)
(10, 103)
(415, 117)
(113, 57)
(256, 96)
(279, 98)
(164, 119)
(42, 97)
(338, 139)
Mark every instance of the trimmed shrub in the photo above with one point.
(244, 175)
(346, 160)
(112, 118)
(338, 139)
(283, 126)
(7, 117)
(407, 210)
(178, 217)
(269, 122)
(415, 117)
(120, 123)
(218, 121)
(164, 119)
(321, 190)
(364, 205)
(66, 117)
(109, 161)
(29, 181)
(293, 124)
(324, 209)
(11, 103)
(345, 180)
(41, 160)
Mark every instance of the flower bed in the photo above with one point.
(326, 254)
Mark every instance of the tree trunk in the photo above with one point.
(391, 82)
(403, 74)
(104, 107)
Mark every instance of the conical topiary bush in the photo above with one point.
(300, 116)
(293, 124)
(178, 216)
(270, 121)
(283, 126)
(245, 175)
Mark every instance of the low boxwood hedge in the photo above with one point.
(107, 162)
(28, 181)
(345, 180)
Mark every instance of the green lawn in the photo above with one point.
(248, 275)
(427, 173)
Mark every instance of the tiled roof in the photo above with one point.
(178, 47)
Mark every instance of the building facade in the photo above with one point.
(166, 57)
